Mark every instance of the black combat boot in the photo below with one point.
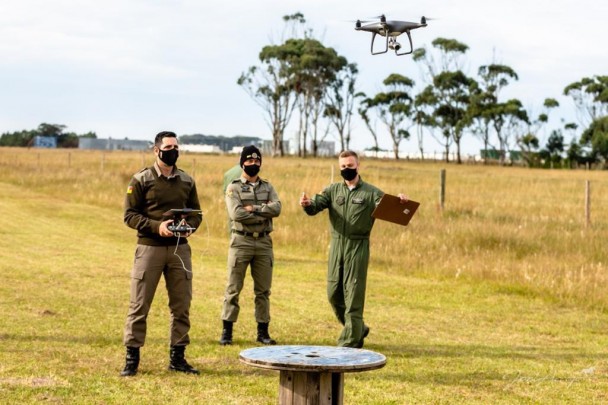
(178, 361)
(226, 338)
(263, 336)
(131, 363)
(365, 333)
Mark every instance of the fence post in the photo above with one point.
(587, 203)
(442, 189)
(69, 160)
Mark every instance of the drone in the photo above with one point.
(391, 30)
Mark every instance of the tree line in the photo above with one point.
(301, 75)
(25, 138)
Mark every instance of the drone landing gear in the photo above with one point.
(398, 46)
(391, 43)
(372, 48)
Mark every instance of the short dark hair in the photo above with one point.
(164, 134)
(348, 153)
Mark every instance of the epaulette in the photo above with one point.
(144, 174)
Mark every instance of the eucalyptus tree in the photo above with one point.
(493, 78)
(394, 107)
(340, 103)
(270, 85)
(508, 118)
(590, 96)
(534, 127)
(314, 68)
(449, 98)
(528, 144)
(366, 105)
(596, 136)
(449, 58)
(445, 99)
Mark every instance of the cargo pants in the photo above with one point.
(256, 253)
(152, 262)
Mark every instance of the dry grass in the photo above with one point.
(518, 226)
(498, 299)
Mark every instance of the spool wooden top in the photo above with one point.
(313, 358)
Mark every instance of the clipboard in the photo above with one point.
(390, 209)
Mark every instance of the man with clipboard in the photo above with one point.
(350, 204)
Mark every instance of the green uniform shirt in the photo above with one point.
(263, 198)
(350, 211)
(150, 195)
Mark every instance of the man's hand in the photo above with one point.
(163, 230)
(402, 198)
(304, 200)
(248, 208)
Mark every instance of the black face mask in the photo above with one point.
(348, 173)
(252, 170)
(168, 157)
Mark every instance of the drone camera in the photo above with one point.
(397, 46)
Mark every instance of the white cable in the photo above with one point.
(178, 256)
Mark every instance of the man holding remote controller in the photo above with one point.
(151, 193)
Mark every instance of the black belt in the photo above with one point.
(251, 234)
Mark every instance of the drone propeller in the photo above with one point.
(359, 21)
(380, 17)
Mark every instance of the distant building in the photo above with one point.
(44, 142)
(266, 148)
(200, 148)
(113, 144)
(325, 148)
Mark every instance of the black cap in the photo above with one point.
(250, 152)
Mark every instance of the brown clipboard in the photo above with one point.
(390, 209)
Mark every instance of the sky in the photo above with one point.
(131, 68)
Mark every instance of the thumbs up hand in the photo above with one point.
(304, 200)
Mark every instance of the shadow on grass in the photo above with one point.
(540, 353)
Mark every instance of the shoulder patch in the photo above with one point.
(130, 190)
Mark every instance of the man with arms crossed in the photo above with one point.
(252, 203)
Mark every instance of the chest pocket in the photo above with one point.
(247, 196)
(262, 196)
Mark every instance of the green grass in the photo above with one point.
(500, 299)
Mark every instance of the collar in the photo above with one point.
(359, 183)
(160, 173)
(243, 180)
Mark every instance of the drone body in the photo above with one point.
(391, 30)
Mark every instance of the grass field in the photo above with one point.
(499, 298)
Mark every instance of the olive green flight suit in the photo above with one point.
(250, 245)
(350, 215)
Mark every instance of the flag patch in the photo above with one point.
(130, 190)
